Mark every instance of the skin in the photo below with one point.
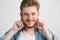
(29, 18)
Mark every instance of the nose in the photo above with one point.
(30, 17)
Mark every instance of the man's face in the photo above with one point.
(29, 15)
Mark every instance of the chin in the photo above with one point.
(30, 25)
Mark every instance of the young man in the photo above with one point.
(29, 28)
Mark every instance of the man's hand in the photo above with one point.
(44, 29)
(41, 25)
(18, 25)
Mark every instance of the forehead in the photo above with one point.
(29, 9)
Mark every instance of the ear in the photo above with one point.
(21, 14)
(38, 14)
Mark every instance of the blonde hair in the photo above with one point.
(27, 3)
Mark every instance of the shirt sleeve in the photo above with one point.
(54, 36)
(3, 36)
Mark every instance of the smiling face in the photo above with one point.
(29, 16)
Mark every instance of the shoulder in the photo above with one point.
(14, 37)
(41, 34)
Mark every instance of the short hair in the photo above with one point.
(27, 3)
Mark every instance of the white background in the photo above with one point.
(49, 12)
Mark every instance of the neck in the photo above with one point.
(30, 31)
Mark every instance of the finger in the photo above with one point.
(20, 23)
(40, 23)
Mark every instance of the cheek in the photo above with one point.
(24, 17)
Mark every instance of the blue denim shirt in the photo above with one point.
(39, 35)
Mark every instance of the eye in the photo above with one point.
(33, 13)
(26, 14)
